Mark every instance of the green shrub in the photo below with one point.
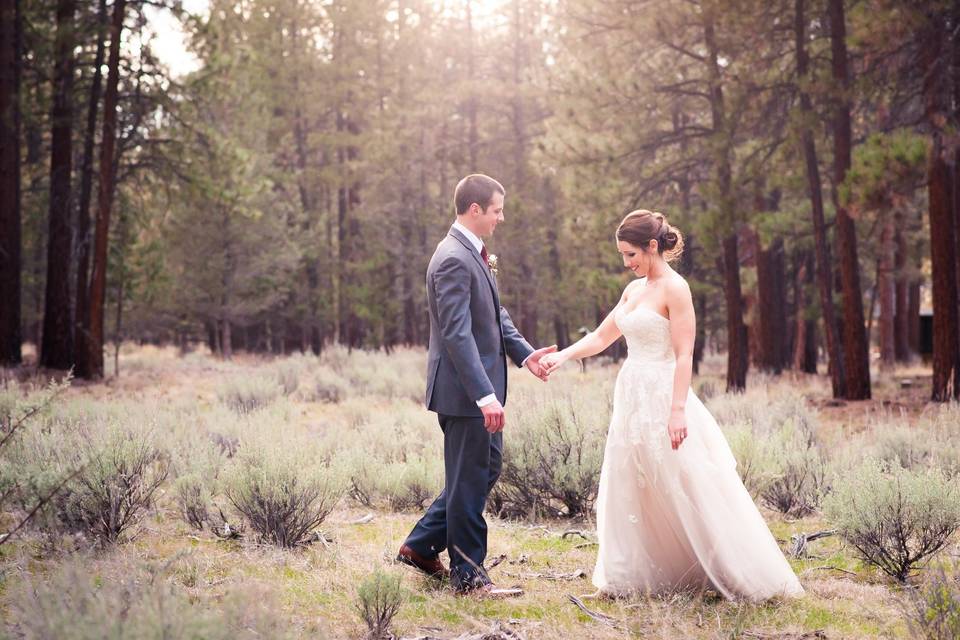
(115, 463)
(781, 463)
(72, 604)
(122, 470)
(765, 409)
(897, 519)
(193, 500)
(411, 483)
(288, 376)
(379, 598)
(282, 491)
(245, 395)
(329, 386)
(934, 607)
(552, 457)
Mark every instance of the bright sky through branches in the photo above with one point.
(170, 41)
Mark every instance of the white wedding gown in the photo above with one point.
(675, 519)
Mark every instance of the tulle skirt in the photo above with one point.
(669, 520)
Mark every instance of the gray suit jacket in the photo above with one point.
(470, 333)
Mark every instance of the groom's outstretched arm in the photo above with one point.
(451, 284)
(517, 347)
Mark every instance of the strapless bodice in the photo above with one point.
(648, 335)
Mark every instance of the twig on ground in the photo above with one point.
(574, 532)
(599, 617)
(573, 575)
(798, 541)
(584, 545)
(809, 635)
(828, 568)
(363, 520)
(500, 558)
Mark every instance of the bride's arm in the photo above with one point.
(683, 331)
(590, 344)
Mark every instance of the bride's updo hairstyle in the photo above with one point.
(641, 226)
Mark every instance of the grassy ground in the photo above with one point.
(311, 592)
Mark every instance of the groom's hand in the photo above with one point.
(493, 416)
(534, 365)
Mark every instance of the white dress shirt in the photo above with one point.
(478, 245)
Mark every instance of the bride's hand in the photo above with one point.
(553, 361)
(677, 428)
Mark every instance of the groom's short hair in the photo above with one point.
(475, 188)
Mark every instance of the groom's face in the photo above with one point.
(486, 221)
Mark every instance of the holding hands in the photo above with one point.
(535, 363)
(553, 361)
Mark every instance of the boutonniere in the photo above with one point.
(492, 262)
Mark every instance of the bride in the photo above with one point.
(672, 512)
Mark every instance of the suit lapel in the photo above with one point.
(486, 270)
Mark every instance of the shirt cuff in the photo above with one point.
(485, 400)
(524, 363)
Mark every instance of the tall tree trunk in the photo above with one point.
(105, 192)
(856, 349)
(10, 236)
(943, 249)
(901, 321)
(82, 315)
(885, 291)
(772, 326)
(56, 350)
(913, 315)
(805, 332)
(738, 351)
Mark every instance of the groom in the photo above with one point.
(470, 335)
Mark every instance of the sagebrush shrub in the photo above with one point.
(897, 519)
(282, 491)
(551, 462)
(933, 611)
(122, 470)
(246, 395)
(72, 604)
(329, 386)
(193, 500)
(115, 463)
(411, 483)
(379, 598)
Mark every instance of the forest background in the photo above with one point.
(286, 193)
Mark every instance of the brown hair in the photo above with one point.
(641, 226)
(475, 188)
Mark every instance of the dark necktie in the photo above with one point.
(484, 255)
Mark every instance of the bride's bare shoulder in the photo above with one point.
(677, 286)
(632, 286)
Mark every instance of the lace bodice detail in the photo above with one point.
(647, 333)
(645, 383)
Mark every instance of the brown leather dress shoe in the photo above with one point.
(433, 568)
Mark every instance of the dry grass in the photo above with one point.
(312, 590)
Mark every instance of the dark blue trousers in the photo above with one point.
(472, 460)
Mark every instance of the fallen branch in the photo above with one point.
(573, 575)
(798, 541)
(499, 632)
(363, 520)
(599, 617)
(575, 532)
(828, 568)
(809, 635)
